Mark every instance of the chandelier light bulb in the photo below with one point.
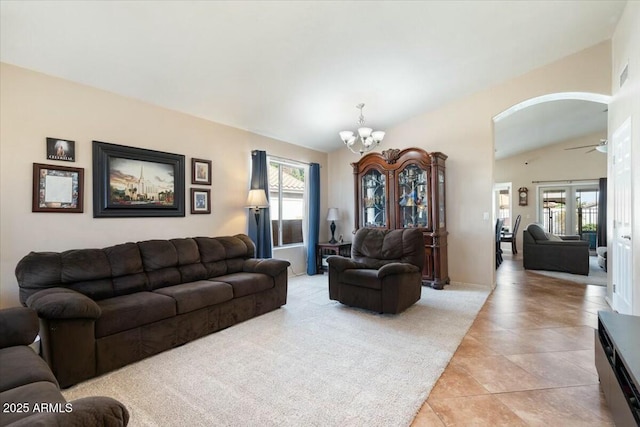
(367, 137)
(378, 135)
(364, 132)
(346, 135)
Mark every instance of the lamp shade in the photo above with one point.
(257, 199)
(333, 214)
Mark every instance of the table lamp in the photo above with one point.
(333, 216)
(257, 199)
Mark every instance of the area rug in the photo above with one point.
(314, 362)
(597, 276)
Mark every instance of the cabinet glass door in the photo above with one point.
(413, 203)
(374, 212)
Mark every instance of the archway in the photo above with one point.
(549, 137)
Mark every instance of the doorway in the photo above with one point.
(570, 209)
(545, 138)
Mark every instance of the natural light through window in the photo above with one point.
(286, 194)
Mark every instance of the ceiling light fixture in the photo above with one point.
(369, 139)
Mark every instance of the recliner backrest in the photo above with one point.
(376, 247)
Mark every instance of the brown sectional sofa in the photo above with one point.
(29, 393)
(101, 309)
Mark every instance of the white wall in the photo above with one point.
(545, 164)
(625, 104)
(463, 130)
(34, 106)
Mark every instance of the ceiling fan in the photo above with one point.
(601, 147)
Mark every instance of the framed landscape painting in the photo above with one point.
(136, 182)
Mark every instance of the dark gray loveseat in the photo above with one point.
(29, 393)
(544, 251)
(101, 309)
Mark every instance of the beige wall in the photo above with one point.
(34, 106)
(463, 130)
(547, 164)
(625, 104)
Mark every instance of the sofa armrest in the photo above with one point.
(570, 238)
(271, 267)
(396, 268)
(63, 303)
(19, 326)
(87, 412)
(340, 263)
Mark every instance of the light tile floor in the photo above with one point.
(527, 360)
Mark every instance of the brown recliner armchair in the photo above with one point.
(384, 273)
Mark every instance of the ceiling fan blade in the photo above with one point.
(584, 146)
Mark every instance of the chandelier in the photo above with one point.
(367, 137)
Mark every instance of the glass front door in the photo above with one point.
(570, 210)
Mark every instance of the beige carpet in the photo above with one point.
(314, 362)
(597, 276)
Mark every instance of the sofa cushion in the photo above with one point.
(361, 277)
(211, 250)
(238, 246)
(125, 259)
(553, 237)
(37, 392)
(81, 265)
(20, 365)
(187, 250)
(127, 269)
(131, 311)
(195, 295)
(247, 283)
(537, 232)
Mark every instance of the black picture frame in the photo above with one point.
(120, 191)
(61, 149)
(200, 201)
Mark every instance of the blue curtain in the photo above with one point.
(260, 233)
(314, 217)
(602, 213)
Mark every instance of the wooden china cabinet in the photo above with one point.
(404, 189)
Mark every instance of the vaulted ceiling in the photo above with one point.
(294, 70)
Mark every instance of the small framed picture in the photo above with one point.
(200, 201)
(201, 171)
(57, 189)
(61, 149)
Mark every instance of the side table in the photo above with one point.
(323, 250)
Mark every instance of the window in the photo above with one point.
(571, 209)
(502, 202)
(286, 197)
